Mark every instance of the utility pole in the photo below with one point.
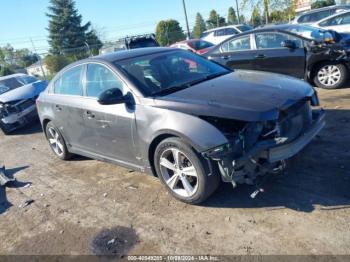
(39, 57)
(238, 18)
(188, 28)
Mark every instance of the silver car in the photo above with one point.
(18, 93)
(174, 114)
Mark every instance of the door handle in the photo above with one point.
(260, 56)
(58, 108)
(225, 57)
(90, 115)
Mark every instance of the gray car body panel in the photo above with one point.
(242, 95)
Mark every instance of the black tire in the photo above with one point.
(343, 75)
(65, 154)
(206, 183)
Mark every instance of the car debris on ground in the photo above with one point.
(4, 179)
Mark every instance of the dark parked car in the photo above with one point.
(18, 93)
(319, 56)
(179, 116)
(130, 42)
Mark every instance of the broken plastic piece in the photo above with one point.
(256, 192)
(3, 178)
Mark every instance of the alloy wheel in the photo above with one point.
(178, 172)
(329, 75)
(55, 141)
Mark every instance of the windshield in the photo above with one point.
(167, 72)
(200, 44)
(306, 31)
(15, 82)
(244, 28)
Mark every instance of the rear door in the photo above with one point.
(271, 56)
(236, 53)
(67, 104)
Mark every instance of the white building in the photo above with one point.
(38, 69)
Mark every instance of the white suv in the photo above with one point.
(316, 15)
(339, 22)
(219, 34)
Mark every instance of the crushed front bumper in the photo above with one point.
(276, 150)
(266, 156)
(286, 151)
(17, 120)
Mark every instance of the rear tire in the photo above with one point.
(330, 75)
(188, 178)
(56, 142)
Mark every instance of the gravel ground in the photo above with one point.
(85, 206)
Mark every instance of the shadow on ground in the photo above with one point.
(31, 128)
(319, 175)
(10, 173)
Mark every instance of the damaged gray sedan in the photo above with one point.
(18, 93)
(187, 120)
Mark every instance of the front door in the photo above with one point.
(272, 57)
(108, 128)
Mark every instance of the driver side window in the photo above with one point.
(99, 79)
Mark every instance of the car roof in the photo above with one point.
(222, 27)
(331, 16)
(12, 76)
(126, 54)
(324, 8)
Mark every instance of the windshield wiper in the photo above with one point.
(176, 88)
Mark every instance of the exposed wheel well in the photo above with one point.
(45, 122)
(152, 149)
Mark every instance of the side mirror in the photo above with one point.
(111, 96)
(289, 44)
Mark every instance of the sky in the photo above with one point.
(25, 20)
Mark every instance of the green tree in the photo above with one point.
(94, 42)
(55, 63)
(6, 70)
(215, 20)
(322, 3)
(66, 32)
(242, 19)
(255, 19)
(169, 32)
(231, 17)
(266, 11)
(199, 26)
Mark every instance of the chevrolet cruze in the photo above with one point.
(174, 114)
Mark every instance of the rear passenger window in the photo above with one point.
(70, 82)
(237, 44)
(99, 79)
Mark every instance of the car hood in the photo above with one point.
(241, 95)
(23, 92)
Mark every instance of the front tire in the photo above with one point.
(56, 142)
(330, 75)
(184, 172)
